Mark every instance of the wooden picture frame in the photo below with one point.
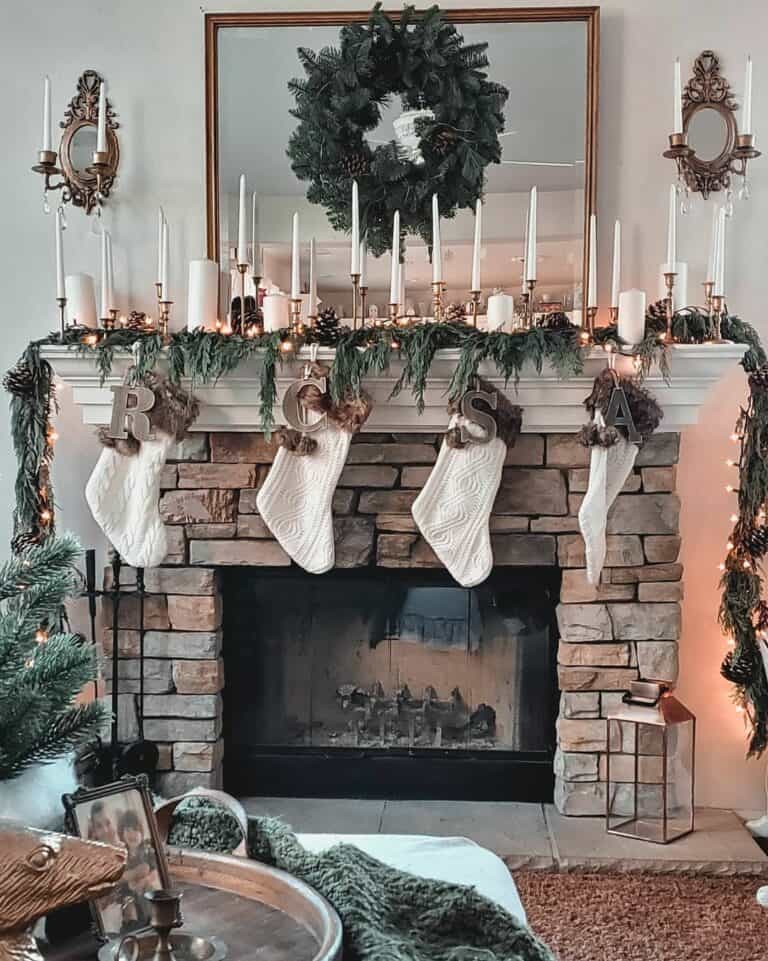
(121, 813)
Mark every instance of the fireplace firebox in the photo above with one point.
(390, 684)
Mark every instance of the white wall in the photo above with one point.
(152, 55)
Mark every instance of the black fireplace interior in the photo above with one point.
(390, 684)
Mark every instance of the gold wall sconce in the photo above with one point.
(710, 148)
(87, 175)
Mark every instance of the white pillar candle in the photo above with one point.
(476, 246)
(47, 135)
(165, 262)
(677, 106)
(81, 300)
(312, 279)
(437, 251)
(295, 261)
(60, 289)
(276, 310)
(616, 274)
(394, 277)
(501, 312)
(105, 294)
(719, 288)
(746, 113)
(672, 229)
(592, 273)
(242, 225)
(160, 222)
(530, 249)
(101, 128)
(363, 263)
(631, 322)
(680, 290)
(710, 278)
(202, 294)
(355, 264)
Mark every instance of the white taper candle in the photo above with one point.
(616, 273)
(101, 128)
(712, 260)
(60, 289)
(104, 274)
(672, 230)
(242, 225)
(312, 278)
(363, 263)
(530, 251)
(746, 113)
(719, 288)
(110, 273)
(677, 106)
(165, 262)
(47, 135)
(592, 272)
(476, 245)
(256, 252)
(295, 260)
(394, 277)
(437, 250)
(355, 262)
(160, 222)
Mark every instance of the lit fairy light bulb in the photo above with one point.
(729, 545)
(733, 518)
(45, 516)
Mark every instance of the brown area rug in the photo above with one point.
(645, 917)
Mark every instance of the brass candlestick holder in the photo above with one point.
(613, 313)
(100, 168)
(47, 166)
(242, 269)
(394, 312)
(679, 151)
(745, 150)
(709, 286)
(437, 300)
(475, 295)
(669, 280)
(530, 285)
(363, 303)
(296, 314)
(164, 916)
(62, 303)
(591, 318)
(355, 278)
(163, 319)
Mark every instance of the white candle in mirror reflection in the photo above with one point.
(592, 273)
(295, 262)
(242, 225)
(355, 264)
(101, 128)
(476, 246)
(47, 135)
(394, 277)
(530, 251)
(437, 251)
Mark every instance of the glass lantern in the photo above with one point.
(650, 765)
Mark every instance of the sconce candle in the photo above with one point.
(530, 243)
(394, 277)
(746, 114)
(47, 135)
(616, 275)
(592, 273)
(677, 106)
(295, 262)
(437, 252)
(672, 230)
(355, 267)
(476, 247)
(101, 129)
(242, 226)
(631, 322)
(60, 288)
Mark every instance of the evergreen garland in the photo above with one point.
(422, 58)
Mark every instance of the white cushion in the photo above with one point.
(457, 860)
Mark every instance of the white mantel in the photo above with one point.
(550, 404)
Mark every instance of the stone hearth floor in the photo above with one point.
(530, 835)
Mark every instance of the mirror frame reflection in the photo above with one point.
(216, 22)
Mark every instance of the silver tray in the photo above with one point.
(186, 947)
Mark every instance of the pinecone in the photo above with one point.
(443, 140)
(327, 327)
(21, 541)
(741, 667)
(455, 313)
(656, 317)
(136, 320)
(19, 380)
(356, 165)
(756, 541)
(758, 379)
(556, 320)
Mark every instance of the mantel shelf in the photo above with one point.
(550, 404)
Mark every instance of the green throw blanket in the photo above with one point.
(387, 915)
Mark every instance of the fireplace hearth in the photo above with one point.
(390, 684)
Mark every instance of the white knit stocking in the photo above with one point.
(609, 467)
(123, 493)
(454, 507)
(295, 500)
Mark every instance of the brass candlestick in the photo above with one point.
(393, 314)
(437, 300)
(164, 916)
(529, 306)
(591, 318)
(47, 166)
(613, 313)
(709, 286)
(165, 313)
(159, 290)
(745, 149)
(113, 315)
(242, 269)
(475, 295)
(669, 280)
(355, 278)
(363, 302)
(100, 167)
(62, 302)
(296, 314)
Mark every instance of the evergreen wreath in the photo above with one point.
(423, 59)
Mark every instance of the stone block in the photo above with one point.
(661, 550)
(168, 477)
(252, 525)
(375, 437)
(580, 704)
(374, 475)
(531, 491)
(578, 481)
(353, 538)
(247, 501)
(394, 550)
(658, 660)
(417, 437)
(198, 506)
(528, 451)
(193, 447)
(127, 643)
(197, 613)
(210, 532)
(610, 702)
(579, 623)
(184, 644)
(392, 454)
(157, 676)
(574, 503)
(648, 572)
(595, 655)
(581, 735)
(239, 552)
(660, 592)
(221, 476)
(508, 523)
(184, 706)
(531, 550)
(197, 755)
(343, 501)
(596, 678)
(182, 729)
(242, 448)
(155, 613)
(645, 622)
(176, 541)
(621, 550)
(579, 798)
(127, 719)
(386, 502)
(645, 514)
(658, 479)
(650, 769)
(554, 525)
(164, 757)
(185, 580)
(660, 450)
(575, 766)
(198, 676)
(396, 522)
(575, 588)
(174, 783)
(415, 476)
(565, 450)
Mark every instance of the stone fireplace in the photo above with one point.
(605, 636)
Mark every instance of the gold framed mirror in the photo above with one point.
(550, 140)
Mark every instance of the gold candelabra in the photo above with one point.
(669, 280)
(355, 288)
(62, 302)
(363, 303)
(475, 295)
(437, 300)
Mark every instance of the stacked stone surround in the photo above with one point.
(627, 626)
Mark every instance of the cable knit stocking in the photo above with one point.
(609, 467)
